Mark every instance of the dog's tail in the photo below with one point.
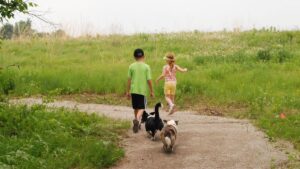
(168, 141)
(156, 110)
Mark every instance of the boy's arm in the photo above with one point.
(180, 69)
(151, 88)
(128, 88)
(129, 76)
(149, 81)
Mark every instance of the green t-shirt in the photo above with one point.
(139, 73)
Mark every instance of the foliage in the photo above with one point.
(283, 55)
(39, 138)
(288, 128)
(264, 55)
(6, 31)
(7, 81)
(23, 28)
(9, 7)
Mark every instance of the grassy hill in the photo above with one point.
(256, 70)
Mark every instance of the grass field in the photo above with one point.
(39, 138)
(258, 70)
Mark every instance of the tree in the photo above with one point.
(23, 28)
(9, 7)
(6, 32)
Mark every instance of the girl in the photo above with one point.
(169, 73)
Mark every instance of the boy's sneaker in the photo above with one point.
(172, 109)
(135, 127)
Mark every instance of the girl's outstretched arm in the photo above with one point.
(180, 69)
(159, 78)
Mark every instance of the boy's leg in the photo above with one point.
(137, 121)
(139, 114)
(138, 102)
(140, 111)
(136, 113)
(135, 127)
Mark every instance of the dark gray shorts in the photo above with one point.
(138, 101)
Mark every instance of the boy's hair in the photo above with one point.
(138, 53)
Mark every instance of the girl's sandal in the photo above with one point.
(172, 111)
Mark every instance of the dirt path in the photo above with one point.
(205, 142)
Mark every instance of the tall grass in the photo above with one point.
(39, 138)
(258, 69)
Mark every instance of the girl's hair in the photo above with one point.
(170, 56)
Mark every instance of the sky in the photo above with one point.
(79, 17)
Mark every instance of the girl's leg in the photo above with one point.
(172, 97)
(171, 104)
(168, 103)
(169, 100)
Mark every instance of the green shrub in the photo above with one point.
(283, 55)
(264, 55)
(7, 82)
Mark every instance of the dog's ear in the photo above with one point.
(165, 121)
(176, 122)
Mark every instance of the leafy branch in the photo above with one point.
(8, 8)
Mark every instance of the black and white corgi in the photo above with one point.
(152, 121)
(168, 135)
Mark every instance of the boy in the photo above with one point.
(139, 76)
